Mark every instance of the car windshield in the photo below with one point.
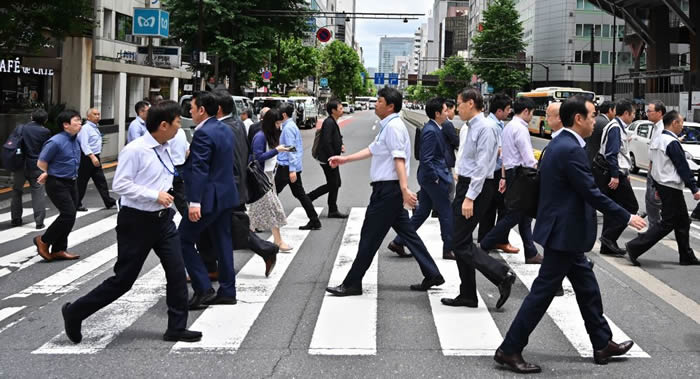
(690, 135)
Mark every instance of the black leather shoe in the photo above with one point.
(690, 262)
(449, 255)
(602, 357)
(311, 225)
(81, 209)
(504, 289)
(111, 204)
(399, 250)
(40, 226)
(560, 292)
(694, 216)
(632, 256)
(342, 290)
(459, 302)
(337, 214)
(71, 325)
(182, 336)
(198, 300)
(515, 362)
(17, 222)
(427, 283)
(270, 264)
(221, 300)
(608, 247)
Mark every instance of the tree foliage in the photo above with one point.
(501, 38)
(342, 66)
(297, 61)
(32, 24)
(454, 76)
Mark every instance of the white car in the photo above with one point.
(641, 137)
(347, 108)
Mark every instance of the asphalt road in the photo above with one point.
(285, 326)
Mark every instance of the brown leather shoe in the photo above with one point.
(398, 249)
(270, 264)
(536, 260)
(602, 357)
(214, 276)
(43, 248)
(515, 362)
(449, 255)
(507, 248)
(64, 255)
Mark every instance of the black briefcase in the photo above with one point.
(523, 193)
(600, 165)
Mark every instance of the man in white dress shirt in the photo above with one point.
(143, 179)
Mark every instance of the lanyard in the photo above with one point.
(390, 118)
(174, 171)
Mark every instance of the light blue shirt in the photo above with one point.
(517, 146)
(90, 139)
(179, 147)
(137, 128)
(478, 160)
(291, 137)
(501, 125)
(392, 142)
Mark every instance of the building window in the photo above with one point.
(605, 57)
(577, 56)
(606, 30)
(122, 31)
(624, 58)
(579, 30)
(585, 5)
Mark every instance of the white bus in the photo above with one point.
(543, 97)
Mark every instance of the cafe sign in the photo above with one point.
(14, 66)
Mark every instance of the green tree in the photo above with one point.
(239, 32)
(32, 24)
(297, 62)
(342, 66)
(454, 76)
(501, 39)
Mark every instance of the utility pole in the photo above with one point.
(532, 68)
(593, 58)
(200, 40)
(614, 53)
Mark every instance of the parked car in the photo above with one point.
(641, 137)
(347, 108)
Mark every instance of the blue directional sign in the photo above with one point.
(324, 82)
(311, 23)
(362, 74)
(393, 79)
(379, 78)
(151, 22)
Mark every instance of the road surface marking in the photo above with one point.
(7, 216)
(357, 315)
(21, 231)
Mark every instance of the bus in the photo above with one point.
(543, 97)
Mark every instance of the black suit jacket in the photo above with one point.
(452, 139)
(593, 142)
(33, 138)
(253, 130)
(241, 151)
(331, 142)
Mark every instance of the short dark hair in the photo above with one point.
(392, 96)
(40, 116)
(659, 106)
(248, 112)
(523, 103)
(66, 116)
(622, 106)
(332, 106)
(570, 108)
(450, 103)
(269, 129)
(166, 110)
(287, 108)
(208, 101)
(500, 101)
(225, 101)
(433, 106)
(140, 105)
(670, 117)
(606, 106)
(474, 95)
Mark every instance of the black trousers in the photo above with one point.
(623, 195)
(469, 256)
(497, 205)
(282, 180)
(179, 188)
(555, 266)
(64, 196)
(385, 210)
(137, 233)
(331, 187)
(87, 171)
(674, 217)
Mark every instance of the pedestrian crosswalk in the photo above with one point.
(339, 326)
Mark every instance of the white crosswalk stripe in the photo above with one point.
(8, 216)
(461, 331)
(21, 231)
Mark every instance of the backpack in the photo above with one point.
(11, 154)
(317, 142)
(416, 144)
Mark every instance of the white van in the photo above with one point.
(306, 108)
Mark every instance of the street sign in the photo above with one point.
(393, 79)
(489, 89)
(324, 35)
(163, 56)
(324, 82)
(151, 22)
(362, 74)
(379, 78)
(267, 75)
(311, 23)
(187, 88)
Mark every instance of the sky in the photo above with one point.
(369, 31)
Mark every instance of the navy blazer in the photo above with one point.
(209, 177)
(566, 220)
(452, 142)
(432, 155)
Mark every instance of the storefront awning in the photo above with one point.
(103, 66)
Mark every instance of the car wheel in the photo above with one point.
(633, 163)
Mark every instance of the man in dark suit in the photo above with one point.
(434, 179)
(34, 135)
(452, 142)
(566, 228)
(256, 127)
(606, 112)
(212, 195)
